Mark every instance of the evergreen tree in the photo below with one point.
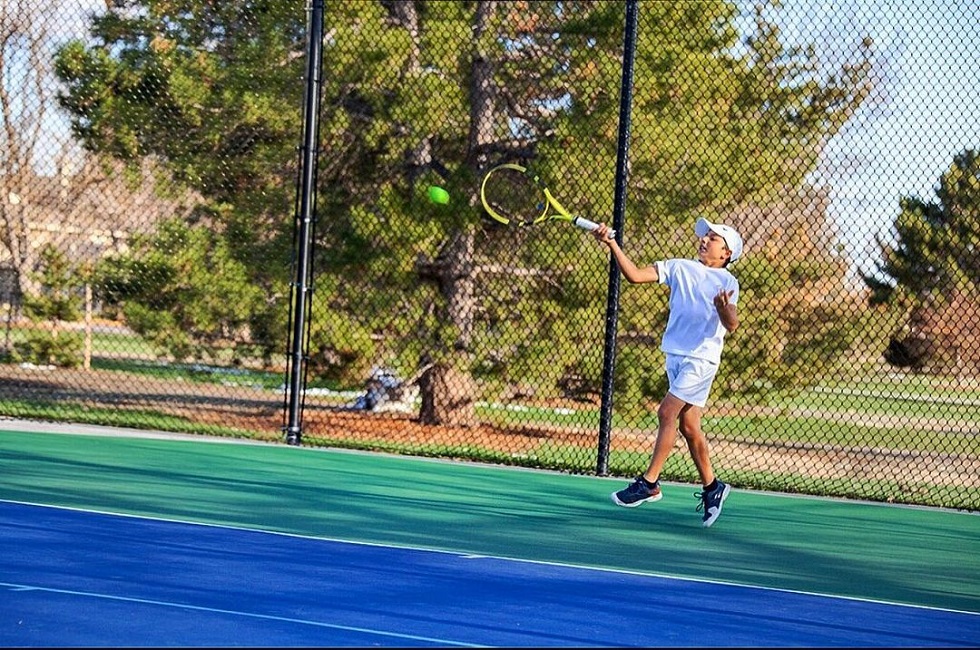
(931, 268)
(57, 302)
(416, 93)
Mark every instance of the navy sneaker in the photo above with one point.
(636, 493)
(711, 502)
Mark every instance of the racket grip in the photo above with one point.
(585, 224)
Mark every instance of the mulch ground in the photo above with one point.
(213, 409)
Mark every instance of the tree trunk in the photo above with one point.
(447, 389)
(448, 396)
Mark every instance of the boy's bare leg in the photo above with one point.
(670, 409)
(697, 443)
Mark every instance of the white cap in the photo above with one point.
(732, 239)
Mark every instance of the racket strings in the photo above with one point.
(514, 196)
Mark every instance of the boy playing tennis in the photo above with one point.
(703, 295)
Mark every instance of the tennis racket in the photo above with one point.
(516, 196)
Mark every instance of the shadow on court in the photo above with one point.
(348, 548)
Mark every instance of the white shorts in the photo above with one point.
(690, 378)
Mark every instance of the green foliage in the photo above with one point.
(416, 93)
(59, 298)
(931, 275)
(640, 378)
(214, 90)
(181, 289)
(343, 349)
(788, 338)
(198, 83)
(50, 348)
(936, 241)
(58, 302)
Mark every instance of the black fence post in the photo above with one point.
(619, 209)
(302, 291)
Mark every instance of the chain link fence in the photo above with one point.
(157, 198)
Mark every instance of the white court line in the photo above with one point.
(475, 556)
(215, 610)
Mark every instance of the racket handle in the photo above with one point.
(585, 224)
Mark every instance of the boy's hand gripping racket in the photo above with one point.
(515, 196)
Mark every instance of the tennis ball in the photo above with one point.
(438, 195)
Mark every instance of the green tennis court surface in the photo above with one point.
(887, 553)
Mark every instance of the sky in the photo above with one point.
(67, 20)
(924, 110)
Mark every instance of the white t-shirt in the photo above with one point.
(694, 328)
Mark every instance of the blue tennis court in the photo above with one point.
(91, 579)
(196, 554)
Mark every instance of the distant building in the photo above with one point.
(86, 215)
